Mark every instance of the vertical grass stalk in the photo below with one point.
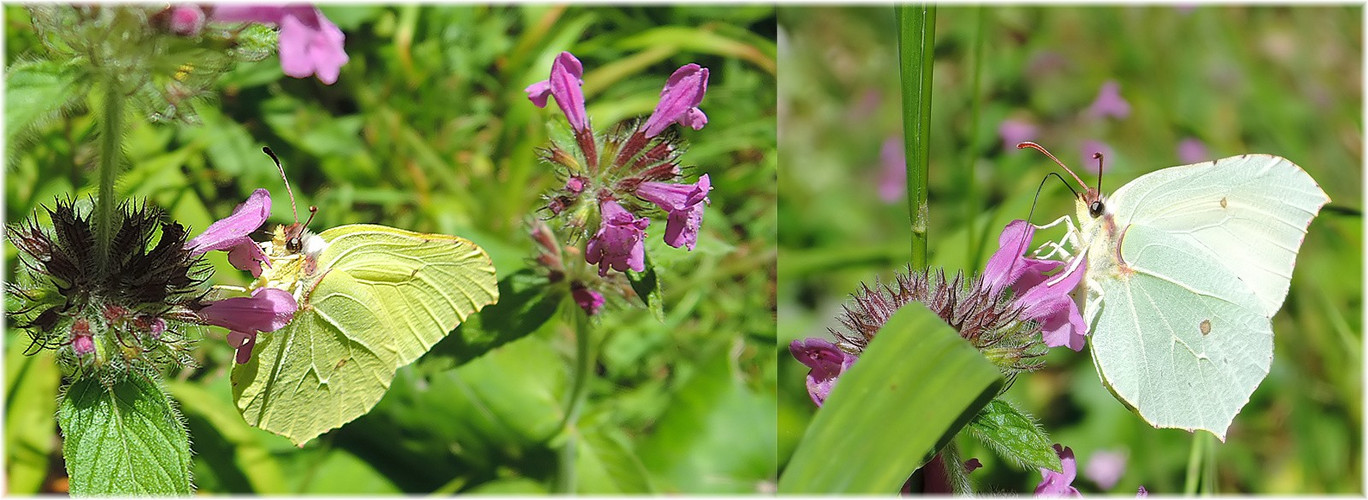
(969, 184)
(916, 52)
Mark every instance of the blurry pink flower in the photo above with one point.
(1092, 146)
(187, 20)
(826, 362)
(893, 170)
(588, 300)
(1014, 131)
(1191, 150)
(310, 44)
(679, 101)
(1109, 102)
(1059, 483)
(1105, 468)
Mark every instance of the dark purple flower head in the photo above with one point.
(1040, 300)
(310, 44)
(893, 171)
(589, 300)
(267, 310)
(1192, 150)
(619, 240)
(679, 101)
(684, 203)
(1015, 131)
(564, 85)
(1142, 492)
(1109, 102)
(827, 363)
(231, 234)
(1059, 483)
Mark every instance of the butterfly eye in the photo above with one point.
(1096, 208)
(293, 245)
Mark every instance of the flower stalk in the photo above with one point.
(916, 41)
(110, 137)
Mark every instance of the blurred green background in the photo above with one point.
(428, 129)
(1279, 80)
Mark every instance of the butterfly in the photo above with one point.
(371, 299)
(1186, 267)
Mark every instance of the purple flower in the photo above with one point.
(187, 20)
(231, 233)
(1191, 150)
(679, 101)
(1109, 102)
(564, 85)
(1088, 148)
(684, 203)
(267, 310)
(82, 342)
(310, 44)
(618, 243)
(1105, 468)
(1013, 132)
(1050, 305)
(1060, 483)
(827, 362)
(893, 175)
(1142, 492)
(587, 299)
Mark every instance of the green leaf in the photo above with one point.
(646, 284)
(38, 91)
(30, 401)
(606, 464)
(236, 452)
(1014, 435)
(718, 434)
(526, 303)
(914, 387)
(124, 439)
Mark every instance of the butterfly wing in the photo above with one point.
(1181, 330)
(376, 299)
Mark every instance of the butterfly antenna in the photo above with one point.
(1021, 247)
(293, 208)
(1037, 147)
(1098, 157)
(312, 211)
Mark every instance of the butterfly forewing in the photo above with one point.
(424, 284)
(1250, 211)
(1180, 326)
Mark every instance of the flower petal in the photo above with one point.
(538, 92)
(619, 242)
(267, 310)
(229, 231)
(826, 361)
(679, 101)
(1059, 483)
(565, 87)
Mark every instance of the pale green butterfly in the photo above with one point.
(1186, 266)
(371, 299)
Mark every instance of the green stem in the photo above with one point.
(110, 133)
(916, 43)
(1194, 466)
(584, 358)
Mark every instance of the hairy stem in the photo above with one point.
(110, 133)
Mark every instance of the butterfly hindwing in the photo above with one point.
(371, 300)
